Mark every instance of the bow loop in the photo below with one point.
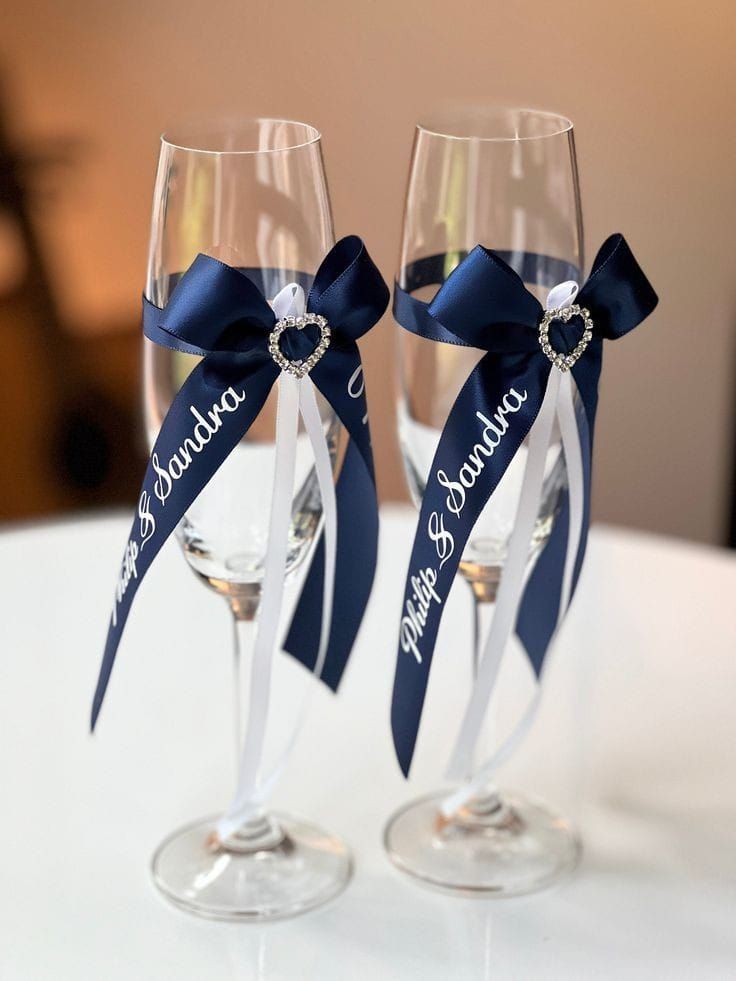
(348, 290)
(214, 307)
(483, 292)
(617, 293)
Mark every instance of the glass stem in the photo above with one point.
(484, 597)
(243, 633)
(260, 833)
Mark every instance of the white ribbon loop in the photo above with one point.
(558, 403)
(563, 295)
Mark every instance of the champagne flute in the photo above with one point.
(253, 194)
(506, 179)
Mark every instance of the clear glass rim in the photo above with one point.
(447, 122)
(184, 136)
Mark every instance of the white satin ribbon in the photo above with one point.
(558, 402)
(295, 398)
(323, 466)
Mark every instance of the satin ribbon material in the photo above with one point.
(484, 304)
(219, 313)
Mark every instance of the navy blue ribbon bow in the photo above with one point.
(219, 313)
(484, 304)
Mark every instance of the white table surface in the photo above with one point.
(635, 741)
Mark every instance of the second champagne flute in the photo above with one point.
(505, 179)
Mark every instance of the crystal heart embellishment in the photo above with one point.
(299, 368)
(565, 361)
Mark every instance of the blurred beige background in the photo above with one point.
(650, 87)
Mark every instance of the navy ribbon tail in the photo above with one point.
(357, 533)
(355, 296)
(540, 603)
(450, 510)
(163, 501)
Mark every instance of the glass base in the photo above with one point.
(497, 846)
(278, 868)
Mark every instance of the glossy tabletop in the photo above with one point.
(635, 741)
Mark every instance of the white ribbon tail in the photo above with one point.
(558, 402)
(510, 588)
(244, 806)
(295, 398)
(323, 467)
(566, 415)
